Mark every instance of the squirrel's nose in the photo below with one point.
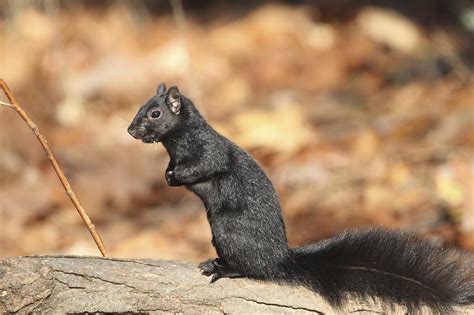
(132, 131)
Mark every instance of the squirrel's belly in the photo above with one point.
(210, 192)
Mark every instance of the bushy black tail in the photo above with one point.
(397, 267)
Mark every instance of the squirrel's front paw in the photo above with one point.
(171, 178)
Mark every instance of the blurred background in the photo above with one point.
(361, 112)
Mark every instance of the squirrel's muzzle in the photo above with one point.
(140, 133)
(132, 131)
(136, 131)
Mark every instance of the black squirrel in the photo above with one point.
(248, 231)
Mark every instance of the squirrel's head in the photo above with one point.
(158, 116)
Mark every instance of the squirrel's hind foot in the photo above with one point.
(212, 267)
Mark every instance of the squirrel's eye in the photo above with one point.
(155, 114)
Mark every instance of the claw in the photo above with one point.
(214, 278)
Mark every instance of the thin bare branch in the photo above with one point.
(64, 181)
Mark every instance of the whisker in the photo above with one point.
(182, 199)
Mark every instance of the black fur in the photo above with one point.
(249, 234)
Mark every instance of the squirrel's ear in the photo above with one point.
(174, 99)
(161, 89)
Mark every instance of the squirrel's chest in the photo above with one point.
(203, 189)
